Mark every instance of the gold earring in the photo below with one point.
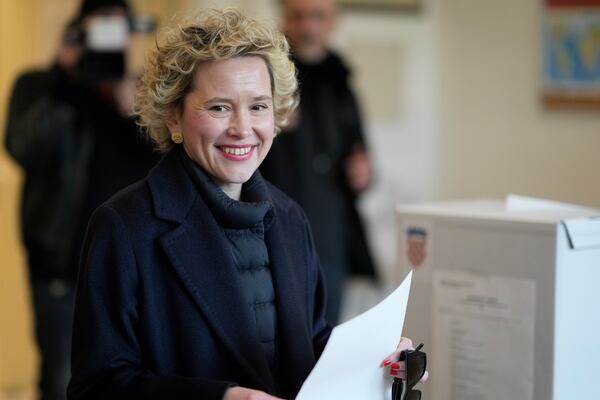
(177, 137)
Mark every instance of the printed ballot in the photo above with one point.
(350, 366)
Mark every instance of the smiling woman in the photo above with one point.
(194, 280)
(202, 281)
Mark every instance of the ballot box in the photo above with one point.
(506, 297)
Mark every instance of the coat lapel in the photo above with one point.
(295, 336)
(197, 249)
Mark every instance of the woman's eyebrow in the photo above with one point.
(218, 100)
(228, 100)
(263, 98)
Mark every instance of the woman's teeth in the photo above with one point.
(237, 151)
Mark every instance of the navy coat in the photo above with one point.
(159, 310)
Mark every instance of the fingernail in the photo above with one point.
(395, 366)
(386, 363)
(395, 373)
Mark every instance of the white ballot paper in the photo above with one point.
(350, 366)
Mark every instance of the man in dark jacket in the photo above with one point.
(320, 160)
(68, 130)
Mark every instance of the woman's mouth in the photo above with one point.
(237, 153)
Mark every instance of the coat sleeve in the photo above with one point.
(107, 361)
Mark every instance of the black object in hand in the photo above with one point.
(416, 365)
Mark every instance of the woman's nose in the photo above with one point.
(240, 125)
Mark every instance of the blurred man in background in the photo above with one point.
(320, 159)
(70, 131)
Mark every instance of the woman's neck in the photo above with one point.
(233, 190)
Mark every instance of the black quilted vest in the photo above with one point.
(244, 224)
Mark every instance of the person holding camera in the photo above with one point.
(70, 131)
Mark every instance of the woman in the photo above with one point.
(202, 281)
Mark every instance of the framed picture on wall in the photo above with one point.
(571, 53)
(382, 4)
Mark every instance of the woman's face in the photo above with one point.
(227, 121)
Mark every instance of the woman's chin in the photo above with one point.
(237, 177)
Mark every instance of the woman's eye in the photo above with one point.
(259, 107)
(218, 108)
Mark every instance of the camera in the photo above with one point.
(104, 40)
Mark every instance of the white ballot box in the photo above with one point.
(506, 297)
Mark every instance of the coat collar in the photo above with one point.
(173, 193)
(214, 285)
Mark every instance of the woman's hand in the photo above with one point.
(397, 368)
(241, 393)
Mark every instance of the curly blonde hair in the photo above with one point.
(213, 35)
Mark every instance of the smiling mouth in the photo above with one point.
(236, 151)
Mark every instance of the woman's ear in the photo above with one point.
(172, 122)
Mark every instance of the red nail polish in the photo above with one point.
(386, 363)
(395, 373)
(395, 366)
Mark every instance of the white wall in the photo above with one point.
(495, 136)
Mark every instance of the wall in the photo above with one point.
(17, 356)
(495, 136)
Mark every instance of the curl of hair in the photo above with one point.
(213, 35)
